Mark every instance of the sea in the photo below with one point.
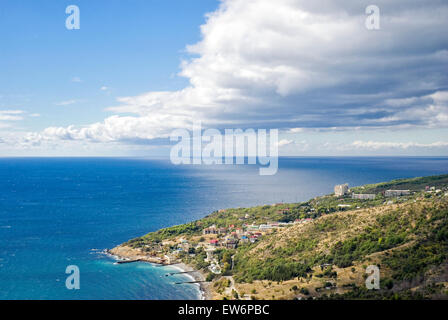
(59, 212)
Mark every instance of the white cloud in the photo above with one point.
(285, 142)
(296, 130)
(115, 128)
(4, 126)
(11, 115)
(376, 145)
(294, 65)
(104, 88)
(66, 102)
(433, 108)
(76, 79)
(11, 111)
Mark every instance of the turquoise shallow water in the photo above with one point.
(53, 212)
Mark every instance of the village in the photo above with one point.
(234, 252)
(230, 237)
(205, 244)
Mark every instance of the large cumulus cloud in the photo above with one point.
(296, 64)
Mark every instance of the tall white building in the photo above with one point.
(341, 189)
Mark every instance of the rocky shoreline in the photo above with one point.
(127, 254)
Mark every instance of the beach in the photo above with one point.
(197, 275)
(125, 254)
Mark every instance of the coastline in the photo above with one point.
(197, 275)
(129, 255)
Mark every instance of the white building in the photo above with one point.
(366, 196)
(341, 189)
(397, 193)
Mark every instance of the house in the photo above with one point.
(184, 244)
(211, 230)
(253, 227)
(397, 193)
(341, 189)
(231, 244)
(214, 242)
(222, 230)
(365, 196)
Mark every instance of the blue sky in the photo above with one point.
(128, 48)
(137, 70)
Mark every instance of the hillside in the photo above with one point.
(409, 242)
(414, 184)
(319, 248)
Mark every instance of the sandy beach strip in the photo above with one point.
(125, 253)
(196, 275)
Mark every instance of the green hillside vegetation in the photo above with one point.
(331, 240)
(310, 209)
(414, 184)
(407, 237)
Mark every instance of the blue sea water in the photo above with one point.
(55, 212)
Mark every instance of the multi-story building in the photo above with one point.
(341, 189)
(210, 230)
(366, 196)
(397, 193)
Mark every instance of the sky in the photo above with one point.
(137, 70)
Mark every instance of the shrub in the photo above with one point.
(304, 291)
